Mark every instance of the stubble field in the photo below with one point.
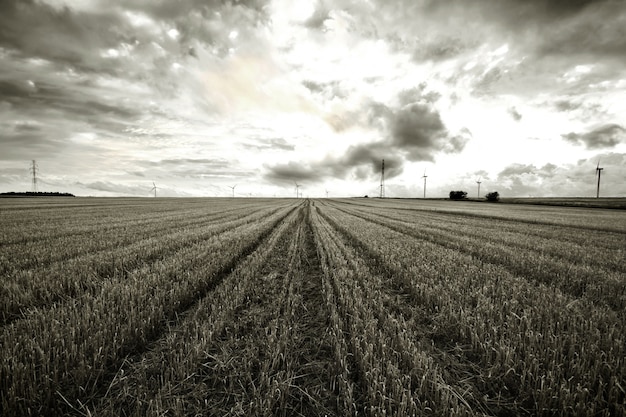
(183, 307)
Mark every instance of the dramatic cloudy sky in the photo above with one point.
(109, 96)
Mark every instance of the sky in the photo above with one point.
(215, 98)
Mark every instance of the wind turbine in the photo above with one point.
(599, 173)
(326, 193)
(297, 186)
(382, 180)
(233, 188)
(154, 188)
(425, 176)
(478, 181)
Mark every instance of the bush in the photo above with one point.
(458, 195)
(494, 196)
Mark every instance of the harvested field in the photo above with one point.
(290, 307)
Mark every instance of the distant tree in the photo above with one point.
(458, 195)
(493, 196)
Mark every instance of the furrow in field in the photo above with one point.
(198, 377)
(310, 344)
(246, 352)
(503, 336)
(393, 374)
(85, 275)
(46, 222)
(122, 319)
(600, 249)
(597, 284)
(349, 381)
(596, 220)
(67, 241)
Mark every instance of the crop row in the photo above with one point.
(581, 218)
(70, 349)
(255, 346)
(578, 269)
(85, 273)
(70, 236)
(519, 347)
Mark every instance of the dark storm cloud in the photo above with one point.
(563, 28)
(417, 127)
(418, 131)
(595, 28)
(34, 29)
(58, 105)
(70, 58)
(16, 88)
(367, 159)
(604, 136)
(359, 162)
(76, 37)
(413, 131)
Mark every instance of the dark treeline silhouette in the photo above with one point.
(458, 195)
(36, 194)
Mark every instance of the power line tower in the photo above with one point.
(599, 174)
(382, 180)
(33, 170)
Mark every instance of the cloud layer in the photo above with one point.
(200, 95)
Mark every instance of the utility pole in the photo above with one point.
(382, 180)
(33, 170)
